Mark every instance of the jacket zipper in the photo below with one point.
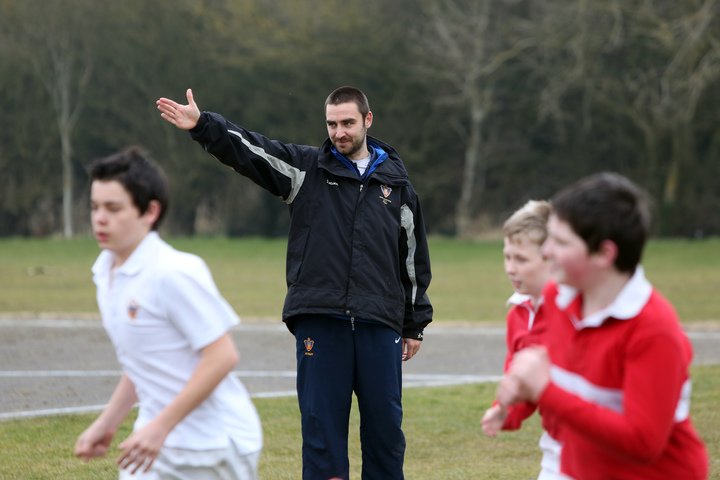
(347, 284)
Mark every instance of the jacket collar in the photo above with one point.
(377, 157)
(392, 166)
(628, 304)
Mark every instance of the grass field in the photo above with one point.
(51, 277)
(441, 425)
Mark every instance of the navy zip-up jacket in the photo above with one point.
(357, 246)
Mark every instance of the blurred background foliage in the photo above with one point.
(489, 102)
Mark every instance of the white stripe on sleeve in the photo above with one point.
(296, 176)
(407, 221)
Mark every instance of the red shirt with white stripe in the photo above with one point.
(620, 388)
(525, 327)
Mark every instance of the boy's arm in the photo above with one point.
(96, 439)
(516, 329)
(142, 447)
(654, 375)
(517, 413)
(655, 372)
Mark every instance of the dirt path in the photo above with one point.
(50, 366)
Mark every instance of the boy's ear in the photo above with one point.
(153, 212)
(607, 253)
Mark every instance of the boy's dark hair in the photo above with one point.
(349, 94)
(138, 173)
(607, 206)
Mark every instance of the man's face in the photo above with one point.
(117, 223)
(525, 265)
(568, 254)
(347, 129)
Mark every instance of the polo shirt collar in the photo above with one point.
(518, 299)
(630, 301)
(142, 254)
(524, 299)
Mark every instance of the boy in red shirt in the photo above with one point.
(528, 271)
(615, 374)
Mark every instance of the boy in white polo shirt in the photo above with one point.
(169, 326)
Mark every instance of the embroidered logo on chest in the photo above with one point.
(132, 309)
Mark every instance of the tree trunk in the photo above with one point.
(67, 173)
(683, 154)
(463, 213)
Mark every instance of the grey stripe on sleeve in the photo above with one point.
(296, 176)
(407, 221)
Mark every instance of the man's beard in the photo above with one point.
(355, 146)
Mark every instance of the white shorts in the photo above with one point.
(181, 464)
(550, 464)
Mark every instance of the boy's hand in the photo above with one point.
(93, 442)
(530, 369)
(493, 420)
(185, 117)
(142, 447)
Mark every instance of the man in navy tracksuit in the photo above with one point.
(357, 273)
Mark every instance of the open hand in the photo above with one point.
(184, 117)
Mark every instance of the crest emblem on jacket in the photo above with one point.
(386, 191)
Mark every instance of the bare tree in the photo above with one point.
(648, 61)
(461, 46)
(60, 51)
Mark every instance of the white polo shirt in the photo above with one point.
(160, 308)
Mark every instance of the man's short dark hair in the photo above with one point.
(607, 206)
(138, 173)
(349, 94)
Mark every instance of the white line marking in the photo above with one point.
(58, 373)
(51, 411)
(409, 381)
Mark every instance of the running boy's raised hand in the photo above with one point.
(184, 117)
(527, 378)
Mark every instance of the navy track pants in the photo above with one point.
(336, 357)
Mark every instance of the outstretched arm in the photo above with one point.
(185, 117)
(142, 447)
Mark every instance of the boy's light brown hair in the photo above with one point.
(529, 220)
